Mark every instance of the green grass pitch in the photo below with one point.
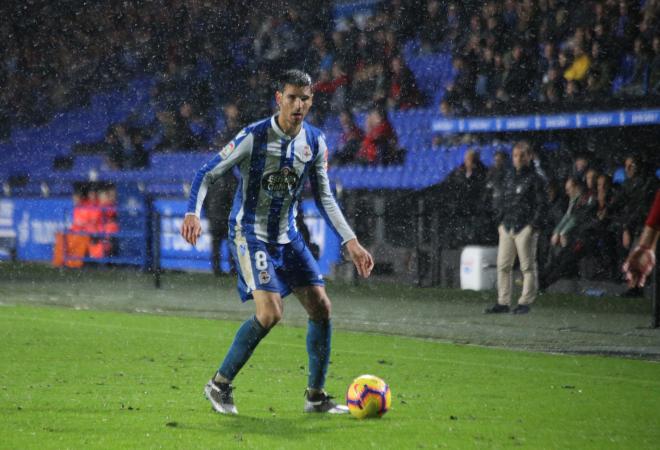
(89, 379)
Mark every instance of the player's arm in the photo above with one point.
(231, 154)
(641, 260)
(329, 209)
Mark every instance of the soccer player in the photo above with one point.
(275, 157)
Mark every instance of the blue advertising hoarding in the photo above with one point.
(540, 122)
(29, 226)
(32, 223)
(177, 254)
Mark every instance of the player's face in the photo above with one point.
(294, 103)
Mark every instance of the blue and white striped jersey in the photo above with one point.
(273, 169)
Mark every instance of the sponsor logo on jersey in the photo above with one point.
(227, 149)
(264, 277)
(280, 184)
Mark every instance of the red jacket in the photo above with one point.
(653, 219)
(374, 140)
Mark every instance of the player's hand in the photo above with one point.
(362, 259)
(638, 266)
(563, 240)
(191, 229)
(554, 240)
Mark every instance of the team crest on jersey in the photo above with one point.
(242, 248)
(227, 149)
(281, 183)
(306, 154)
(264, 277)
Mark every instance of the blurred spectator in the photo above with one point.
(330, 91)
(571, 237)
(580, 65)
(495, 180)
(604, 242)
(232, 126)
(94, 226)
(520, 218)
(599, 78)
(218, 205)
(180, 130)
(634, 198)
(403, 92)
(368, 84)
(254, 100)
(556, 208)
(380, 145)
(591, 185)
(637, 84)
(654, 71)
(466, 215)
(580, 167)
(125, 149)
(431, 33)
(460, 94)
(351, 139)
(516, 82)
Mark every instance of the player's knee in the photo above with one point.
(321, 310)
(268, 319)
(269, 315)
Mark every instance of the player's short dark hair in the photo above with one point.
(293, 77)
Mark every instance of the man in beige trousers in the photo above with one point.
(520, 214)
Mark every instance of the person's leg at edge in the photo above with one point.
(269, 309)
(319, 333)
(506, 255)
(526, 242)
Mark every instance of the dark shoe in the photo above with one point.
(497, 309)
(221, 397)
(322, 402)
(521, 309)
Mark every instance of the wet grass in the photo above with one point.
(93, 379)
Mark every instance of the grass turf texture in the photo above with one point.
(90, 379)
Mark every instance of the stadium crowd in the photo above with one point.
(507, 53)
(589, 224)
(212, 71)
(549, 54)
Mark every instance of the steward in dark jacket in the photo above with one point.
(523, 201)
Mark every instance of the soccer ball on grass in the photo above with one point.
(368, 396)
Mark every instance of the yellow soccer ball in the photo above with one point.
(368, 396)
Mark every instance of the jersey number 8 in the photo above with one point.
(260, 260)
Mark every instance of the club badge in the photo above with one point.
(264, 277)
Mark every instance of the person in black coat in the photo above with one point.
(521, 215)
